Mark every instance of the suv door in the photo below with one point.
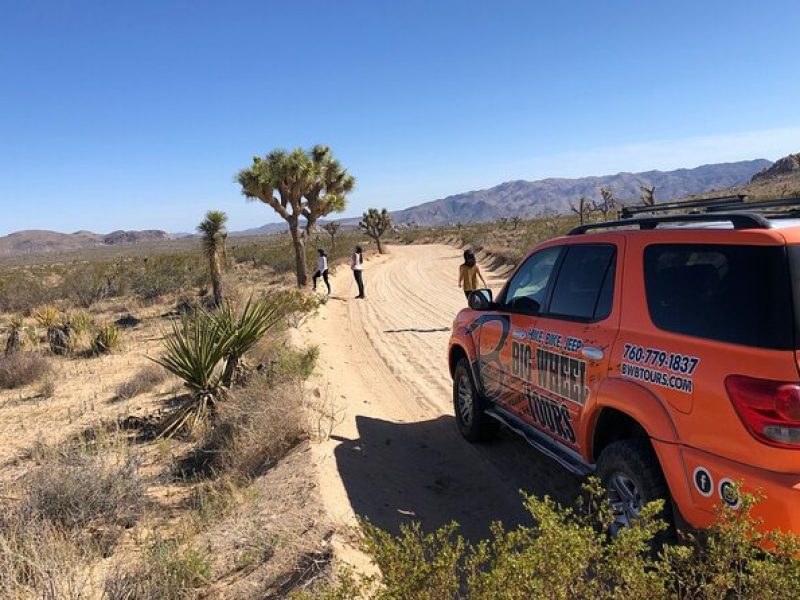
(573, 339)
(502, 372)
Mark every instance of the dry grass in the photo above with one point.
(144, 380)
(22, 368)
(38, 559)
(81, 492)
(167, 570)
(254, 428)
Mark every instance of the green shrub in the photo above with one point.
(567, 554)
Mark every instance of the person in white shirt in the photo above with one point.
(357, 264)
(322, 271)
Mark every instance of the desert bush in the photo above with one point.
(38, 559)
(22, 368)
(567, 554)
(80, 321)
(205, 349)
(144, 380)
(292, 364)
(107, 338)
(47, 387)
(89, 283)
(166, 571)
(78, 491)
(23, 291)
(255, 427)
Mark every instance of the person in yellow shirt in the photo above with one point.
(469, 273)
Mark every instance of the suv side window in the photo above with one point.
(730, 293)
(585, 285)
(527, 289)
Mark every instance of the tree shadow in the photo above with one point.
(397, 473)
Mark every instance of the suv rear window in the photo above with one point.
(729, 293)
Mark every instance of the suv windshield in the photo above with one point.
(730, 293)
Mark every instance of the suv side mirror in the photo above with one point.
(481, 299)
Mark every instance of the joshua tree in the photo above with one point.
(308, 184)
(607, 203)
(15, 338)
(375, 224)
(648, 195)
(332, 228)
(214, 235)
(583, 209)
(503, 222)
(516, 221)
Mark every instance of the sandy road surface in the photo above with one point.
(397, 455)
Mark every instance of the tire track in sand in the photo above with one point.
(397, 455)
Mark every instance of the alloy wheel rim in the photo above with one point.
(465, 402)
(625, 499)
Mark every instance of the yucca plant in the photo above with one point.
(212, 228)
(16, 339)
(80, 321)
(47, 316)
(195, 351)
(107, 339)
(59, 331)
(245, 329)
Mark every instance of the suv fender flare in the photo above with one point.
(650, 412)
(636, 401)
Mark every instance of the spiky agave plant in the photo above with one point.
(245, 329)
(195, 351)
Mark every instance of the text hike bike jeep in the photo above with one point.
(659, 351)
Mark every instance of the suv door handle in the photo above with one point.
(591, 353)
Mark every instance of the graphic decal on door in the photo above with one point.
(560, 374)
(490, 365)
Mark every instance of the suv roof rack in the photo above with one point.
(628, 212)
(739, 220)
(741, 214)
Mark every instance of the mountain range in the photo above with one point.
(40, 242)
(758, 177)
(548, 196)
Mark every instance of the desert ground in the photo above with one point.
(396, 455)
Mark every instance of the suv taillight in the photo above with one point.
(769, 409)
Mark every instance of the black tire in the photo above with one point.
(634, 463)
(469, 406)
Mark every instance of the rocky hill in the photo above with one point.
(40, 242)
(546, 196)
(788, 165)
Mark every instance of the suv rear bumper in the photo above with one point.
(706, 477)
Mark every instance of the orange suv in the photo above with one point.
(659, 351)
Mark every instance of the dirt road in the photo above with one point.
(397, 456)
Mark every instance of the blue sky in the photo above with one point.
(138, 114)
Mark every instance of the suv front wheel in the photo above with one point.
(473, 423)
(631, 476)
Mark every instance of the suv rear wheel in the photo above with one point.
(631, 476)
(468, 405)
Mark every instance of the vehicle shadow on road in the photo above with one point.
(397, 473)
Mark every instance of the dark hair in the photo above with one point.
(359, 251)
(469, 258)
(321, 252)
